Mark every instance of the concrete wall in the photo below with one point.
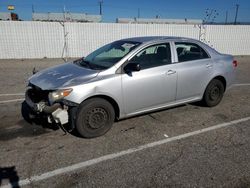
(46, 39)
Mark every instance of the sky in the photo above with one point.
(112, 9)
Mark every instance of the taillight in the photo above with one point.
(235, 63)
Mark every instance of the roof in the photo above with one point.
(158, 21)
(77, 17)
(153, 38)
(5, 16)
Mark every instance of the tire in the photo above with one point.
(94, 118)
(213, 93)
(26, 112)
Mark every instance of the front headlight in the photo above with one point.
(59, 94)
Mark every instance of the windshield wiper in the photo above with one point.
(84, 63)
(98, 67)
(93, 65)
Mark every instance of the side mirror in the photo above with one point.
(131, 67)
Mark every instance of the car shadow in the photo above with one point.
(10, 174)
(152, 112)
(22, 129)
(196, 105)
(43, 122)
(27, 127)
(38, 126)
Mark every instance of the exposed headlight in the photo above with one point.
(59, 94)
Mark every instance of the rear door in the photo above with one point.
(194, 67)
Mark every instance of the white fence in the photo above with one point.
(53, 40)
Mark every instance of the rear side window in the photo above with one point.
(190, 51)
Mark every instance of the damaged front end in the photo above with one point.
(51, 105)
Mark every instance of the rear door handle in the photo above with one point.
(171, 72)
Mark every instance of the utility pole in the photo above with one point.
(64, 11)
(236, 14)
(100, 6)
(226, 17)
(33, 12)
(138, 13)
(33, 8)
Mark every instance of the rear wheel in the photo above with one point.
(94, 118)
(213, 93)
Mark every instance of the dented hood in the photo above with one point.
(65, 75)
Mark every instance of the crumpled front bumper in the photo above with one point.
(55, 113)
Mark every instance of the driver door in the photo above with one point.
(154, 85)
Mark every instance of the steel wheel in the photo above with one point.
(94, 118)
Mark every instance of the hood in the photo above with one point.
(65, 75)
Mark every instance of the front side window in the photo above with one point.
(189, 51)
(108, 55)
(153, 56)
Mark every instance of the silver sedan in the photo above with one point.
(126, 78)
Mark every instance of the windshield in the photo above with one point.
(108, 55)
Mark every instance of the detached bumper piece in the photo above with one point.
(37, 100)
(60, 116)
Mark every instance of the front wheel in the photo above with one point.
(94, 118)
(213, 93)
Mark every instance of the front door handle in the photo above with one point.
(171, 72)
(209, 65)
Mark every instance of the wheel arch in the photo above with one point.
(222, 79)
(218, 77)
(110, 100)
